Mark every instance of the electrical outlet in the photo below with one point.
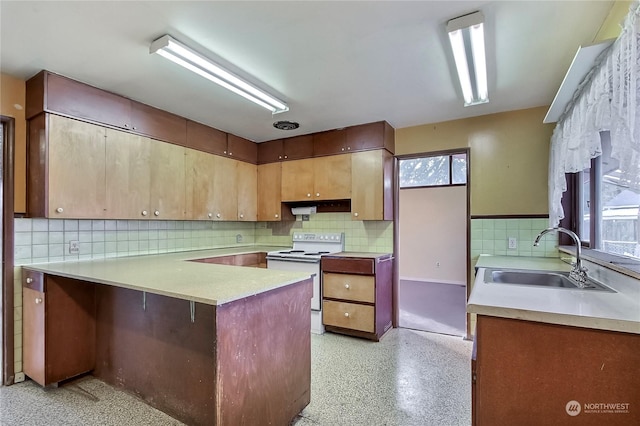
(437, 264)
(238, 238)
(74, 247)
(513, 243)
(19, 377)
(305, 218)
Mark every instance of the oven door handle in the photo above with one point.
(284, 259)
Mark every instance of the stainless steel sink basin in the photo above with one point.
(539, 279)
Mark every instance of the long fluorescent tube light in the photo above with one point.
(168, 47)
(466, 35)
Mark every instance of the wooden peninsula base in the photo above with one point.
(244, 362)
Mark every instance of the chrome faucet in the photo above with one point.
(578, 272)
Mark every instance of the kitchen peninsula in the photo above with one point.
(206, 343)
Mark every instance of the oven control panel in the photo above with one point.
(315, 237)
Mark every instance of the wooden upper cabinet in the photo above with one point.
(271, 151)
(76, 169)
(53, 93)
(294, 148)
(225, 193)
(297, 180)
(205, 138)
(269, 195)
(371, 136)
(247, 186)
(242, 149)
(371, 185)
(364, 137)
(167, 193)
(158, 124)
(200, 185)
(330, 142)
(332, 177)
(128, 175)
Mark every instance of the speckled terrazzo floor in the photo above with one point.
(408, 378)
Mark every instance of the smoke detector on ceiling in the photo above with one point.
(286, 125)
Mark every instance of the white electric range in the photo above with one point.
(305, 256)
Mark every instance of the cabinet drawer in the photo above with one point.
(359, 288)
(348, 265)
(349, 315)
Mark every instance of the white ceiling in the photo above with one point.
(335, 63)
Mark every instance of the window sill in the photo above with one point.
(623, 265)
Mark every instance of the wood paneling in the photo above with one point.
(544, 366)
(76, 169)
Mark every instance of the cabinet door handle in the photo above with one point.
(29, 280)
(144, 212)
(218, 216)
(308, 195)
(230, 154)
(277, 215)
(346, 314)
(279, 157)
(346, 286)
(210, 215)
(356, 214)
(59, 210)
(156, 213)
(38, 300)
(241, 216)
(285, 157)
(317, 194)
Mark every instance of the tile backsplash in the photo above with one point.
(491, 236)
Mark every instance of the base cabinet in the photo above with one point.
(59, 328)
(531, 373)
(356, 294)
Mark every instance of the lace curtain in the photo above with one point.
(607, 99)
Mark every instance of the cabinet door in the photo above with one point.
(332, 177)
(225, 193)
(76, 175)
(205, 138)
(270, 152)
(167, 200)
(247, 181)
(158, 124)
(242, 149)
(366, 136)
(371, 192)
(330, 142)
(269, 184)
(128, 173)
(199, 183)
(33, 338)
(298, 147)
(297, 180)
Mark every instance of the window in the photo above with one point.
(613, 205)
(437, 170)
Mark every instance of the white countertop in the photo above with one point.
(173, 275)
(618, 311)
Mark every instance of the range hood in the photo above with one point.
(304, 210)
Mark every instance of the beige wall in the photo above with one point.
(612, 24)
(12, 102)
(509, 156)
(433, 227)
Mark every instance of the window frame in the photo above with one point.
(448, 153)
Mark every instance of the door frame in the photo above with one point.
(396, 226)
(8, 158)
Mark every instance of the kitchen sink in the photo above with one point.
(550, 279)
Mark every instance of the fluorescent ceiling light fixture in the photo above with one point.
(466, 35)
(168, 47)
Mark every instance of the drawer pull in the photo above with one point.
(156, 213)
(218, 215)
(29, 280)
(38, 300)
(59, 210)
(346, 286)
(346, 314)
(210, 215)
(144, 212)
